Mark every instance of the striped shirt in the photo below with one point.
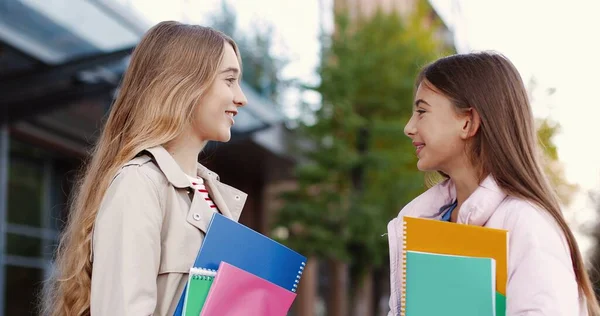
(198, 185)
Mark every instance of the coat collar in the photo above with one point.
(229, 200)
(476, 210)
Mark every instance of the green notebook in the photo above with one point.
(199, 283)
(449, 285)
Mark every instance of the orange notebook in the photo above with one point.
(434, 236)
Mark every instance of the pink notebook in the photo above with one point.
(235, 292)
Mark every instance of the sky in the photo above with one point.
(554, 41)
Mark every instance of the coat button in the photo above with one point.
(197, 216)
(237, 197)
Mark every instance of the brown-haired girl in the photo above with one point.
(473, 124)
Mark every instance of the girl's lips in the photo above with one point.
(418, 146)
(230, 115)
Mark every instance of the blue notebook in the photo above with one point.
(229, 241)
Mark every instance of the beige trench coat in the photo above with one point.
(148, 232)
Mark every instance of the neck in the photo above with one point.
(466, 182)
(185, 151)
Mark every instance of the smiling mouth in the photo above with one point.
(231, 114)
(419, 147)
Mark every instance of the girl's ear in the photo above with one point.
(471, 124)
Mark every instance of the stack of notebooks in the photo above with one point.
(453, 269)
(239, 271)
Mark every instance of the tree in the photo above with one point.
(360, 169)
(547, 129)
(261, 67)
(554, 169)
(226, 21)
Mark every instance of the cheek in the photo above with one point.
(427, 130)
(208, 109)
(200, 113)
(222, 93)
(204, 119)
(439, 135)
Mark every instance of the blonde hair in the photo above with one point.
(505, 145)
(169, 70)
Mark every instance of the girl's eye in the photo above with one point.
(231, 80)
(420, 111)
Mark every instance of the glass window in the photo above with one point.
(23, 245)
(25, 187)
(64, 174)
(39, 182)
(25, 192)
(23, 286)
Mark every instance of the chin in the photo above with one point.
(224, 137)
(423, 166)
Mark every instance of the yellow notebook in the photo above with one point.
(435, 236)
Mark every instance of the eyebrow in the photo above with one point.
(230, 69)
(419, 101)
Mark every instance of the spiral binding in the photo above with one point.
(403, 282)
(202, 277)
(298, 277)
(202, 274)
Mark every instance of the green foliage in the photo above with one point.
(261, 66)
(552, 166)
(362, 168)
(545, 132)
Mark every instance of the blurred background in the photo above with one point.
(319, 147)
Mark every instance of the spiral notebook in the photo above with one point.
(229, 241)
(434, 236)
(461, 285)
(199, 283)
(236, 292)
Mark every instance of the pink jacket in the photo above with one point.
(541, 280)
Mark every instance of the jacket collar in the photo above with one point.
(169, 167)
(476, 210)
(173, 171)
(229, 200)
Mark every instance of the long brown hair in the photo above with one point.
(169, 70)
(505, 145)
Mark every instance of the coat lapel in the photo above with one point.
(229, 201)
(199, 214)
